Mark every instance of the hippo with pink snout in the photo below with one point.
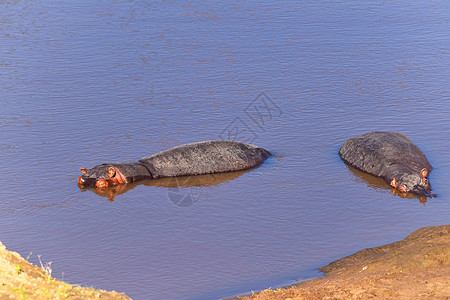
(392, 156)
(190, 159)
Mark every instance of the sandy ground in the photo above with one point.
(417, 267)
(21, 280)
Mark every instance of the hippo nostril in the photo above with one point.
(101, 183)
(402, 188)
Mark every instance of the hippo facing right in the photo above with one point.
(392, 156)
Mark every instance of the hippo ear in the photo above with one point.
(83, 170)
(423, 172)
(394, 183)
(111, 172)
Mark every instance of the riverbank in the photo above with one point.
(417, 267)
(19, 279)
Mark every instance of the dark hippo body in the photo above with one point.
(392, 156)
(190, 159)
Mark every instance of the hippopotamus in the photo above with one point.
(392, 156)
(206, 157)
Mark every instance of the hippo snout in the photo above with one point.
(422, 189)
(87, 181)
(97, 176)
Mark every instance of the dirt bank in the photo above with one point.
(21, 280)
(417, 267)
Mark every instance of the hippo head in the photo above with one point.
(101, 176)
(416, 183)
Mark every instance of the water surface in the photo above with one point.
(85, 84)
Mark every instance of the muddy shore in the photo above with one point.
(19, 279)
(417, 267)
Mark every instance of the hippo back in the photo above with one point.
(383, 154)
(204, 158)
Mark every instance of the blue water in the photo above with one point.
(83, 84)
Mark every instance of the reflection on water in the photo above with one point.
(183, 191)
(379, 183)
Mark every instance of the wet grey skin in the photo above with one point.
(392, 156)
(191, 159)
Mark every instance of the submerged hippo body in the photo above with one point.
(190, 159)
(392, 156)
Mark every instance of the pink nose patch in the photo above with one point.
(101, 183)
